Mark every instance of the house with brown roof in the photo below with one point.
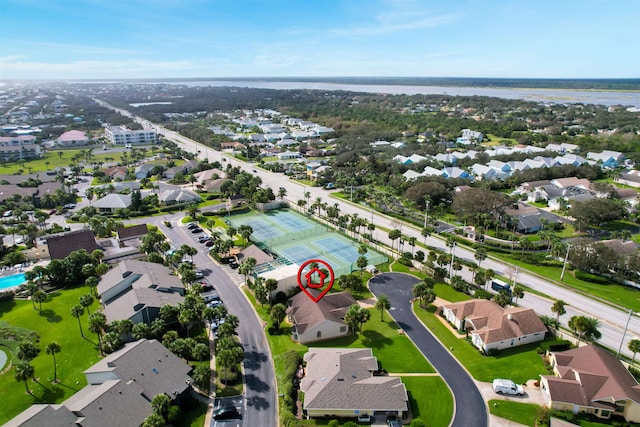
(340, 382)
(116, 172)
(252, 251)
(493, 327)
(136, 290)
(129, 233)
(589, 379)
(61, 246)
(119, 391)
(322, 320)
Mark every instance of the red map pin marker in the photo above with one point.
(309, 276)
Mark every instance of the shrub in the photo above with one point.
(592, 278)
(560, 345)
(482, 294)
(7, 295)
(635, 372)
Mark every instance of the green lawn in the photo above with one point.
(194, 417)
(624, 296)
(447, 293)
(520, 364)
(523, 413)
(430, 399)
(50, 161)
(76, 355)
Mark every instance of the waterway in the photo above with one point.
(554, 96)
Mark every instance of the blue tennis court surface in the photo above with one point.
(290, 222)
(341, 249)
(262, 230)
(298, 254)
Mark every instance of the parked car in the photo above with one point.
(502, 386)
(211, 297)
(393, 422)
(214, 303)
(197, 230)
(208, 243)
(69, 206)
(203, 239)
(226, 413)
(199, 274)
(365, 419)
(192, 225)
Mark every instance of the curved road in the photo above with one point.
(470, 408)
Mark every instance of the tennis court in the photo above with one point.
(295, 239)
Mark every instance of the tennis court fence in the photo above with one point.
(288, 237)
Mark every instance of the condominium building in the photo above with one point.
(121, 135)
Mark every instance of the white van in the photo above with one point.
(502, 386)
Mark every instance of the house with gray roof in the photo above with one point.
(119, 392)
(170, 195)
(143, 171)
(112, 202)
(591, 380)
(316, 321)
(136, 290)
(340, 382)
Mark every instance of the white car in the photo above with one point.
(502, 386)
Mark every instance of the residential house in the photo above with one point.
(571, 181)
(136, 290)
(119, 391)
(340, 382)
(492, 327)
(170, 195)
(528, 219)
(591, 380)
(288, 155)
(213, 186)
(60, 246)
(14, 153)
(73, 138)
(316, 321)
(235, 200)
(414, 158)
(209, 175)
(134, 232)
(484, 172)
(562, 148)
(631, 178)
(456, 172)
(144, 170)
(399, 144)
(117, 173)
(411, 174)
(181, 169)
(472, 135)
(379, 144)
(112, 202)
(607, 159)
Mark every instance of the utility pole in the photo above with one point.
(453, 257)
(624, 333)
(564, 264)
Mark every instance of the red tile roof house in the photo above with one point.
(493, 327)
(591, 380)
(73, 138)
(318, 321)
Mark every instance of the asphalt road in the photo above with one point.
(260, 395)
(470, 408)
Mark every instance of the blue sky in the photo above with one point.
(100, 39)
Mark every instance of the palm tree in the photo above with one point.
(278, 312)
(559, 310)
(52, 348)
(85, 301)
(382, 304)
(24, 372)
(634, 346)
(480, 255)
(77, 311)
(517, 292)
(97, 323)
(160, 404)
(39, 296)
(394, 235)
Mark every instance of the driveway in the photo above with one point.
(469, 406)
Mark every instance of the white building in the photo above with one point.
(121, 135)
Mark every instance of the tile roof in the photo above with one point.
(125, 233)
(252, 251)
(591, 376)
(342, 378)
(494, 323)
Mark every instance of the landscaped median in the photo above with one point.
(429, 396)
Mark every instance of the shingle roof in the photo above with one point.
(307, 313)
(256, 253)
(125, 233)
(113, 201)
(63, 245)
(591, 376)
(341, 378)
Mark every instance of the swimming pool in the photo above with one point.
(11, 281)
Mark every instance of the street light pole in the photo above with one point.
(564, 264)
(426, 213)
(624, 333)
(453, 257)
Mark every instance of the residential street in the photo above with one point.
(469, 406)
